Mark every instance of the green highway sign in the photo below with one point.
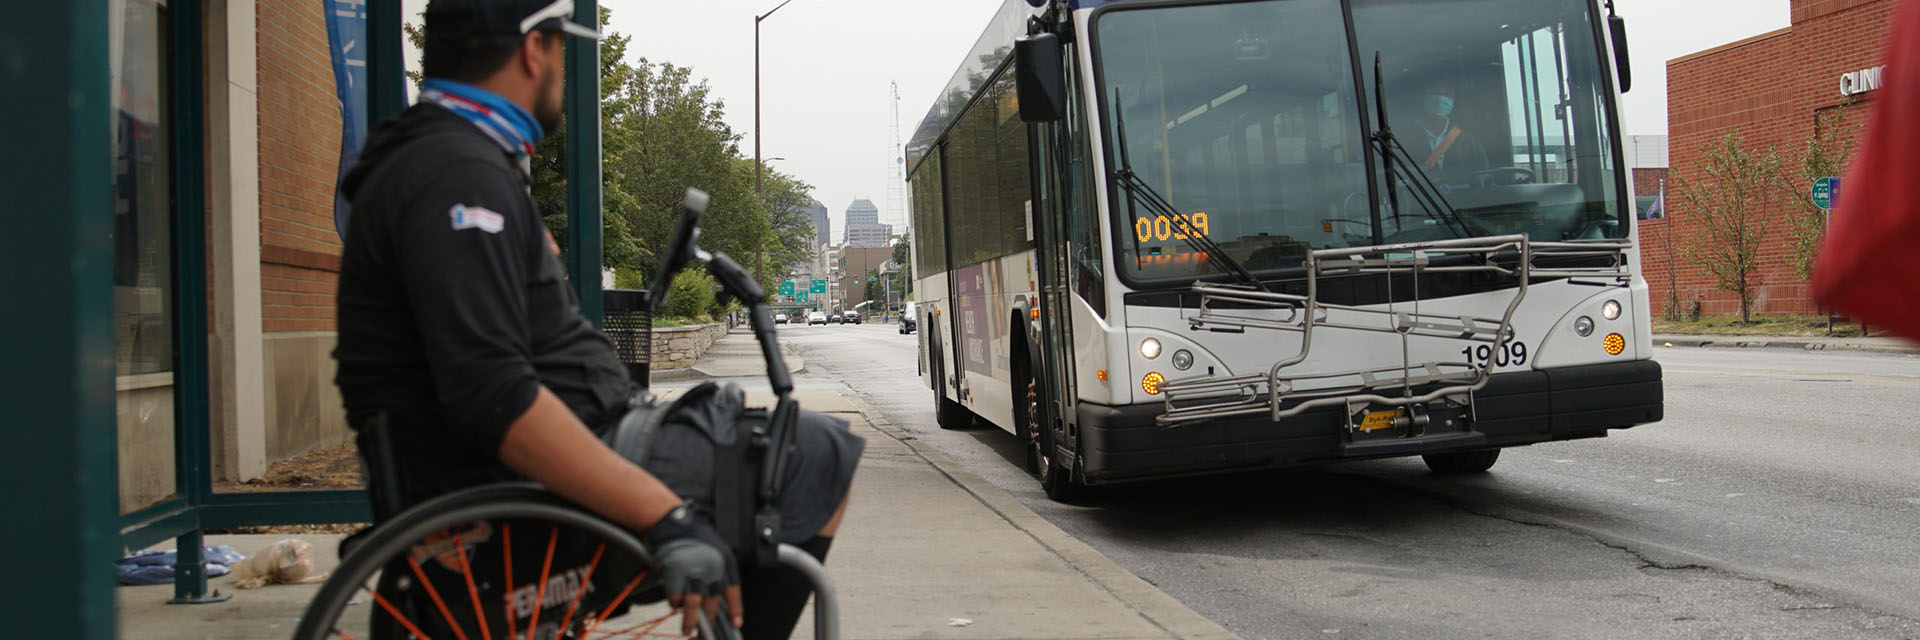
(786, 288)
(819, 286)
(800, 297)
(1826, 192)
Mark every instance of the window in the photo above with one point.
(929, 218)
(143, 253)
(988, 177)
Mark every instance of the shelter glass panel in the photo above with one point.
(143, 253)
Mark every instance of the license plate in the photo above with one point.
(1377, 420)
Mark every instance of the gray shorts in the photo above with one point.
(678, 448)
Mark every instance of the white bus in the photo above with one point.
(1190, 236)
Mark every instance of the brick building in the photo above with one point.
(1778, 90)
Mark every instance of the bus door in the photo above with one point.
(1051, 259)
(952, 339)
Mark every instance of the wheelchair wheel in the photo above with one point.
(495, 561)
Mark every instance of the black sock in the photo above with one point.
(775, 596)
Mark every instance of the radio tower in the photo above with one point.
(896, 156)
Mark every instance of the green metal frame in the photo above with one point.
(196, 507)
(584, 259)
(58, 254)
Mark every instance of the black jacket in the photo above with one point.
(453, 309)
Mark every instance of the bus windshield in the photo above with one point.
(1246, 118)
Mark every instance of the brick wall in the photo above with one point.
(299, 162)
(1771, 89)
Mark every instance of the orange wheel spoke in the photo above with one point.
(395, 612)
(344, 634)
(435, 594)
(506, 547)
(460, 546)
(540, 594)
(635, 582)
(582, 590)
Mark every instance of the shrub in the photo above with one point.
(691, 294)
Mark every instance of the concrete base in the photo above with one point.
(304, 410)
(145, 439)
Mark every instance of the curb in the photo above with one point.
(795, 366)
(1158, 608)
(1748, 342)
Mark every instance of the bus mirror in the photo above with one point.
(1618, 26)
(1039, 78)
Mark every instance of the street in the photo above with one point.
(1776, 500)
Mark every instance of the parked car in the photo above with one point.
(908, 320)
(853, 317)
(779, 318)
(816, 318)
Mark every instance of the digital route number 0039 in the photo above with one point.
(1163, 228)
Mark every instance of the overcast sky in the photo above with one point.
(826, 65)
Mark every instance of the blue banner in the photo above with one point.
(346, 41)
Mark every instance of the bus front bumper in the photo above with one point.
(1121, 443)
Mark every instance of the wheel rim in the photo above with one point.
(1040, 445)
(456, 605)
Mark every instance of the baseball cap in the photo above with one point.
(468, 18)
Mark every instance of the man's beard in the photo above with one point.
(546, 107)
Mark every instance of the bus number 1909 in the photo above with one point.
(1486, 355)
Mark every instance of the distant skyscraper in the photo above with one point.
(822, 233)
(862, 211)
(863, 225)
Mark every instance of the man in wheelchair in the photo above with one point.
(459, 332)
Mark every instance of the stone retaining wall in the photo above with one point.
(679, 347)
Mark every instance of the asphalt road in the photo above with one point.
(1779, 499)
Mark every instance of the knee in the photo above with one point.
(833, 523)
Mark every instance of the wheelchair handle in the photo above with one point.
(741, 284)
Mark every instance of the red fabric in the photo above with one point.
(1869, 267)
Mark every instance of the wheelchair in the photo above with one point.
(513, 560)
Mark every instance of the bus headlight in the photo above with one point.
(1611, 309)
(1583, 325)
(1150, 348)
(1151, 383)
(1183, 359)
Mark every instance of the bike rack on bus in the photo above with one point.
(1280, 395)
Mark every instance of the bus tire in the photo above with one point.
(1054, 470)
(1026, 412)
(946, 413)
(1462, 462)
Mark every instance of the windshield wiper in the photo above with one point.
(1138, 190)
(1424, 190)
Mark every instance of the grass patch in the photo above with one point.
(1800, 326)
(680, 321)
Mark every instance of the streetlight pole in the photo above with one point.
(759, 249)
(756, 94)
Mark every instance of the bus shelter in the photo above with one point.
(79, 371)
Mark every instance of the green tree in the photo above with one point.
(903, 269)
(1730, 193)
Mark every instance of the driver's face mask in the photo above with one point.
(1439, 105)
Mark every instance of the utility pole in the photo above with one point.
(759, 250)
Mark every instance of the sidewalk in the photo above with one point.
(1883, 344)
(926, 544)
(733, 355)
